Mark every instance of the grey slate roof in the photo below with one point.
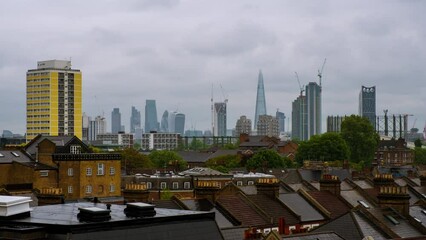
(60, 141)
(206, 205)
(301, 207)
(315, 236)
(233, 233)
(191, 156)
(8, 157)
(353, 196)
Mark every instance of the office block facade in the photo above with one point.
(219, 126)
(367, 104)
(151, 122)
(243, 125)
(281, 121)
(267, 126)
(135, 120)
(299, 119)
(54, 100)
(115, 120)
(313, 109)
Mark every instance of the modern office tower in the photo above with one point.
(243, 126)
(172, 121)
(85, 127)
(298, 119)
(151, 122)
(260, 99)
(313, 105)
(138, 133)
(367, 104)
(334, 123)
(54, 105)
(164, 125)
(281, 121)
(115, 120)
(135, 120)
(219, 126)
(267, 126)
(180, 123)
(97, 126)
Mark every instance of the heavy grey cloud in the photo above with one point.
(174, 51)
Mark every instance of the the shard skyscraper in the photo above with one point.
(260, 99)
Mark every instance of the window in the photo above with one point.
(70, 172)
(163, 185)
(15, 154)
(101, 168)
(75, 149)
(186, 185)
(111, 188)
(89, 171)
(250, 183)
(239, 183)
(111, 171)
(69, 189)
(89, 189)
(100, 189)
(44, 173)
(175, 185)
(149, 185)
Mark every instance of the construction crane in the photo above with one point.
(225, 96)
(320, 72)
(300, 86)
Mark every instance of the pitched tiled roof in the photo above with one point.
(168, 204)
(301, 207)
(191, 156)
(13, 156)
(274, 209)
(233, 233)
(240, 209)
(223, 152)
(316, 236)
(330, 202)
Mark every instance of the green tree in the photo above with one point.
(265, 159)
(131, 159)
(420, 155)
(361, 139)
(326, 147)
(164, 158)
(196, 144)
(418, 143)
(224, 163)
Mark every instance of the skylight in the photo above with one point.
(424, 212)
(364, 204)
(392, 219)
(1, 155)
(15, 154)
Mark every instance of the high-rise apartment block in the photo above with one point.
(281, 121)
(260, 99)
(334, 123)
(151, 122)
(135, 120)
(267, 126)
(97, 126)
(243, 126)
(313, 104)
(115, 120)
(54, 100)
(219, 126)
(367, 104)
(298, 119)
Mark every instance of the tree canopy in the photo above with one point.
(164, 158)
(224, 163)
(131, 160)
(267, 158)
(420, 155)
(360, 137)
(326, 147)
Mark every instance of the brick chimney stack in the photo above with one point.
(330, 183)
(268, 186)
(385, 179)
(207, 189)
(396, 197)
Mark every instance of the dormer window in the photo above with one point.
(75, 149)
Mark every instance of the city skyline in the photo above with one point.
(173, 51)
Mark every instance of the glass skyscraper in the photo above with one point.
(219, 128)
(298, 119)
(260, 99)
(135, 120)
(164, 126)
(313, 109)
(281, 121)
(367, 104)
(151, 122)
(180, 123)
(115, 120)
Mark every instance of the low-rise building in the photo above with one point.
(160, 141)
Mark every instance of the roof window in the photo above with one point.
(364, 204)
(15, 154)
(392, 219)
(1, 155)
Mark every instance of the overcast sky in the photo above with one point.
(173, 51)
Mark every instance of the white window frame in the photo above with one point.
(175, 185)
(112, 171)
(101, 169)
(111, 187)
(70, 172)
(239, 183)
(149, 185)
(163, 185)
(75, 149)
(44, 173)
(250, 183)
(89, 171)
(186, 185)
(89, 189)
(70, 190)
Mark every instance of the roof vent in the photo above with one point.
(93, 214)
(139, 209)
(12, 207)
